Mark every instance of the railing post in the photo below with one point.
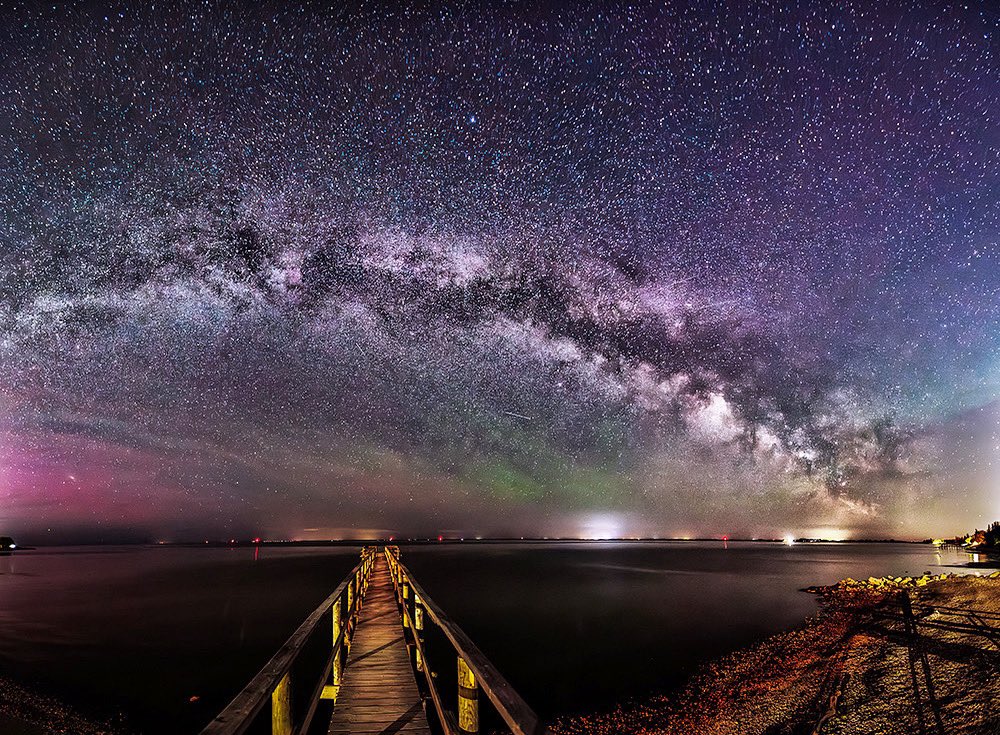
(418, 632)
(338, 626)
(250, 710)
(406, 601)
(468, 699)
(281, 707)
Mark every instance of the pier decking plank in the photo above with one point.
(379, 695)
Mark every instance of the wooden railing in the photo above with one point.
(473, 671)
(306, 669)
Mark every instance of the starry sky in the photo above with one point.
(308, 270)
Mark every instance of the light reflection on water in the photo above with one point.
(145, 629)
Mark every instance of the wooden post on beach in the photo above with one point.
(917, 653)
(468, 699)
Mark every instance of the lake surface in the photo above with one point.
(164, 637)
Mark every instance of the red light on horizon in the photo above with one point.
(440, 538)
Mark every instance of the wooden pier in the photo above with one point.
(379, 693)
(377, 657)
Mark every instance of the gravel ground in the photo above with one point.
(24, 712)
(862, 666)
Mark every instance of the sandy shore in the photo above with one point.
(863, 666)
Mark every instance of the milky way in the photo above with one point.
(692, 269)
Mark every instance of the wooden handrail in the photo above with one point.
(520, 718)
(293, 716)
(443, 715)
(241, 713)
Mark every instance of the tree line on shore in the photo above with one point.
(988, 537)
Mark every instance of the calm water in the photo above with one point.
(142, 631)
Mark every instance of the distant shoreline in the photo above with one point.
(214, 544)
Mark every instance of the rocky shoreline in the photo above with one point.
(27, 712)
(884, 655)
(885, 583)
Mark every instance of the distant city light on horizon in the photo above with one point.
(600, 527)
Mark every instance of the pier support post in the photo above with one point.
(418, 625)
(337, 622)
(338, 657)
(468, 699)
(281, 707)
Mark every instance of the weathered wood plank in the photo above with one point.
(379, 693)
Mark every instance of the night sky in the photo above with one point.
(503, 269)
